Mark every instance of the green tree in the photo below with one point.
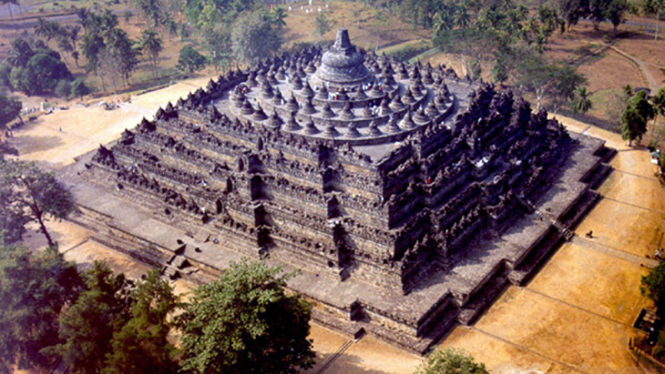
(322, 25)
(443, 21)
(658, 103)
(547, 78)
(20, 53)
(34, 289)
(190, 59)
(653, 8)
(63, 89)
(5, 72)
(151, 11)
(121, 48)
(635, 117)
(152, 46)
(653, 286)
(472, 45)
(35, 67)
(10, 109)
(79, 88)
(141, 346)
(47, 29)
(278, 17)
(451, 361)
(253, 38)
(462, 17)
(245, 323)
(615, 12)
(571, 11)
(582, 101)
(87, 327)
(218, 47)
(28, 194)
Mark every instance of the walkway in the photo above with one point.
(642, 67)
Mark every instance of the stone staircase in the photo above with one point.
(560, 227)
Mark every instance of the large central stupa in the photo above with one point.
(342, 66)
(408, 197)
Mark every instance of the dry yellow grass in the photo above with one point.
(610, 71)
(366, 30)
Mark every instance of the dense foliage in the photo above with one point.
(635, 117)
(510, 39)
(87, 327)
(190, 59)
(141, 345)
(653, 286)
(451, 361)
(34, 68)
(34, 289)
(254, 37)
(245, 323)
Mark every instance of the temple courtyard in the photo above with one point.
(575, 315)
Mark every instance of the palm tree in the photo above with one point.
(152, 46)
(442, 22)
(582, 102)
(47, 29)
(278, 16)
(462, 17)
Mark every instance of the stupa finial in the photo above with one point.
(342, 42)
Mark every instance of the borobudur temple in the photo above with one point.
(408, 197)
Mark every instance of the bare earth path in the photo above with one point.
(642, 67)
(574, 316)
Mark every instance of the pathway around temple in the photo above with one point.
(574, 316)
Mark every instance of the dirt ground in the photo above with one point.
(574, 316)
(55, 139)
(609, 71)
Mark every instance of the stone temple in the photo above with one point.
(408, 197)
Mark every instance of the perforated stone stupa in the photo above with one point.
(408, 197)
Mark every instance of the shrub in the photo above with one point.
(63, 89)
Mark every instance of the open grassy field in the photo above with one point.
(369, 28)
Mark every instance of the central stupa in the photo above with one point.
(342, 66)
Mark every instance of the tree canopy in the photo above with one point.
(28, 194)
(10, 108)
(451, 361)
(87, 327)
(254, 37)
(141, 346)
(35, 68)
(190, 59)
(653, 285)
(635, 117)
(152, 46)
(34, 288)
(245, 323)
